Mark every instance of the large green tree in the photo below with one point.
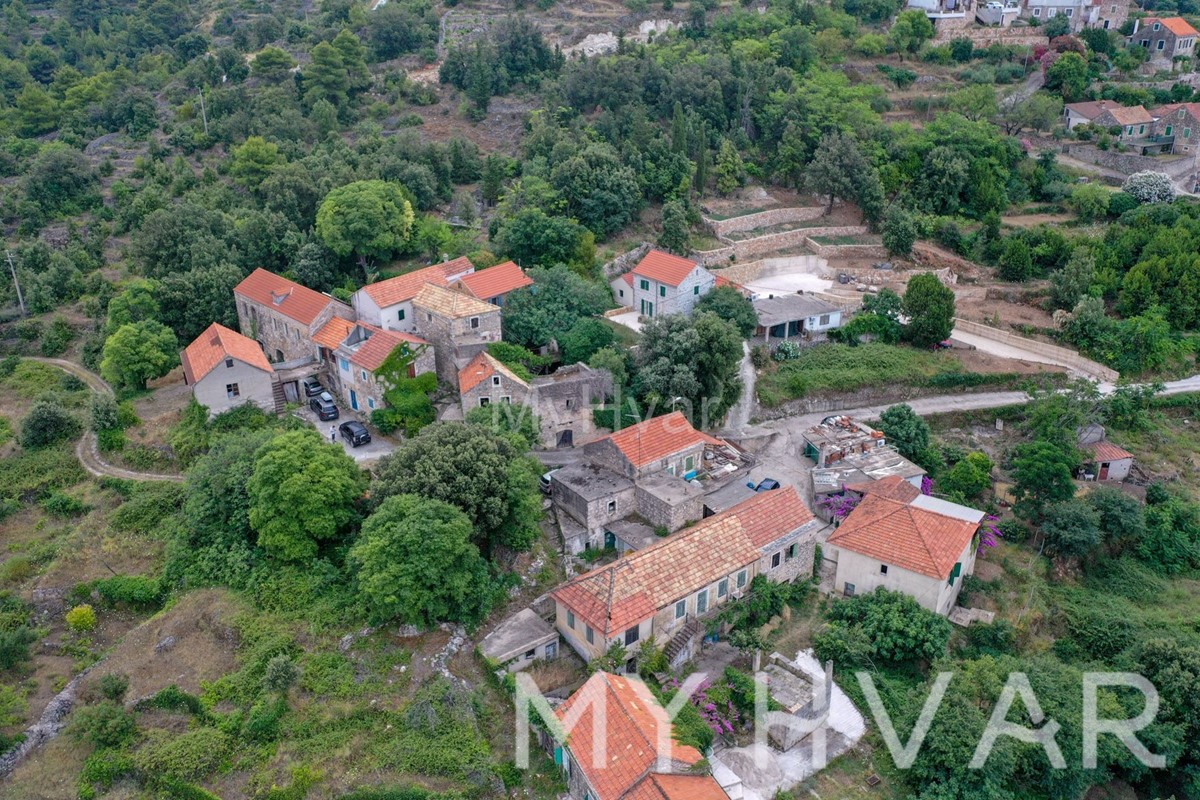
(137, 352)
(929, 306)
(905, 430)
(731, 305)
(840, 170)
(1042, 474)
(584, 339)
(369, 219)
(690, 363)
(600, 191)
(484, 474)
(302, 492)
(557, 300)
(326, 77)
(414, 562)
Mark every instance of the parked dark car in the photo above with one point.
(355, 433)
(765, 485)
(312, 386)
(324, 409)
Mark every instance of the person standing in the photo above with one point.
(333, 433)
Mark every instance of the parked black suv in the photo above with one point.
(324, 409)
(355, 433)
(312, 386)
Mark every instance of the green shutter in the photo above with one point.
(558, 756)
(954, 573)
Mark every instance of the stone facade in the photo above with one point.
(762, 219)
(652, 298)
(1163, 44)
(751, 248)
(1081, 13)
(789, 558)
(607, 454)
(669, 502)
(499, 389)
(362, 389)
(284, 339)
(594, 497)
(563, 403)
(456, 340)
(1181, 121)
(865, 575)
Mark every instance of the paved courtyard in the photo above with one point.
(379, 446)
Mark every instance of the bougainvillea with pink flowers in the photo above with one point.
(839, 506)
(989, 534)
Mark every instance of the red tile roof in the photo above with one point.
(1191, 108)
(482, 367)
(895, 532)
(1176, 25)
(333, 333)
(657, 438)
(630, 722)
(374, 351)
(216, 344)
(678, 787)
(664, 267)
(1107, 451)
(405, 287)
(1125, 115)
(287, 297)
(892, 487)
(495, 281)
(615, 597)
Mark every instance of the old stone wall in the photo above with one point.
(982, 36)
(660, 513)
(760, 245)
(868, 396)
(1129, 163)
(1068, 358)
(846, 250)
(762, 219)
(626, 261)
(943, 262)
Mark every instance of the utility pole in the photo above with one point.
(13, 269)
(203, 113)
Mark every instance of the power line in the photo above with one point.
(13, 269)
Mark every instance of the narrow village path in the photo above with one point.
(739, 415)
(87, 449)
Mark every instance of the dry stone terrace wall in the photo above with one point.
(1129, 163)
(625, 262)
(846, 250)
(751, 248)
(762, 219)
(984, 36)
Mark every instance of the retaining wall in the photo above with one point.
(982, 36)
(1067, 358)
(869, 396)
(762, 219)
(1129, 163)
(759, 245)
(940, 260)
(846, 250)
(625, 262)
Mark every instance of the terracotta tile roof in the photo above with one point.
(405, 287)
(1126, 115)
(374, 351)
(333, 333)
(664, 267)
(495, 281)
(1191, 108)
(628, 278)
(1176, 25)
(899, 533)
(1107, 451)
(216, 344)
(631, 720)
(287, 297)
(723, 281)
(892, 487)
(452, 304)
(482, 367)
(678, 787)
(615, 597)
(657, 438)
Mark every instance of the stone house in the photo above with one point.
(226, 370)
(361, 354)
(1081, 13)
(1179, 123)
(664, 590)
(487, 381)
(665, 284)
(905, 541)
(282, 316)
(797, 317)
(493, 284)
(1113, 14)
(595, 498)
(458, 325)
(388, 303)
(1135, 122)
(1166, 38)
(1107, 462)
(616, 732)
(661, 444)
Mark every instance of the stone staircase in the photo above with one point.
(681, 639)
(279, 397)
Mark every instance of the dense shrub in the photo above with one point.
(58, 504)
(881, 626)
(137, 591)
(189, 756)
(47, 423)
(81, 618)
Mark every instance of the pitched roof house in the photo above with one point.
(1166, 38)
(282, 316)
(660, 590)
(1180, 123)
(660, 444)
(494, 283)
(905, 541)
(1134, 121)
(388, 303)
(668, 284)
(626, 763)
(226, 369)
(354, 364)
(1110, 463)
(458, 325)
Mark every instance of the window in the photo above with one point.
(1158, 26)
(848, 589)
(681, 609)
(483, 402)
(344, 364)
(504, 401)
(954, 573)
(631, 635)
(723, 588)
(1168, 130)
(1187, 133)
(1129, 130)
(702, 601)
(1162, 43)
(620, 292)
(232, 391)
(1068, 11)
(228, 363)
(1037, 12)
(689, 463)
(662, 291)
(883, 569)
(644, 284)
(400, 315)
(591, 635)
(428, 317)
(791, 553)
(741, 579)
(570, 618)
(529, 654)
(1141, 129)
(370, 402)
(570, 403)
(1112, 10)
(474, 323)
(696, 290)
(775, 560)
(824, 319)
(612, 506)
(362, 374)
(495, 380)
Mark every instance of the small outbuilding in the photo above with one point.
(1108, 462)
(797, 317)
(520, 640)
